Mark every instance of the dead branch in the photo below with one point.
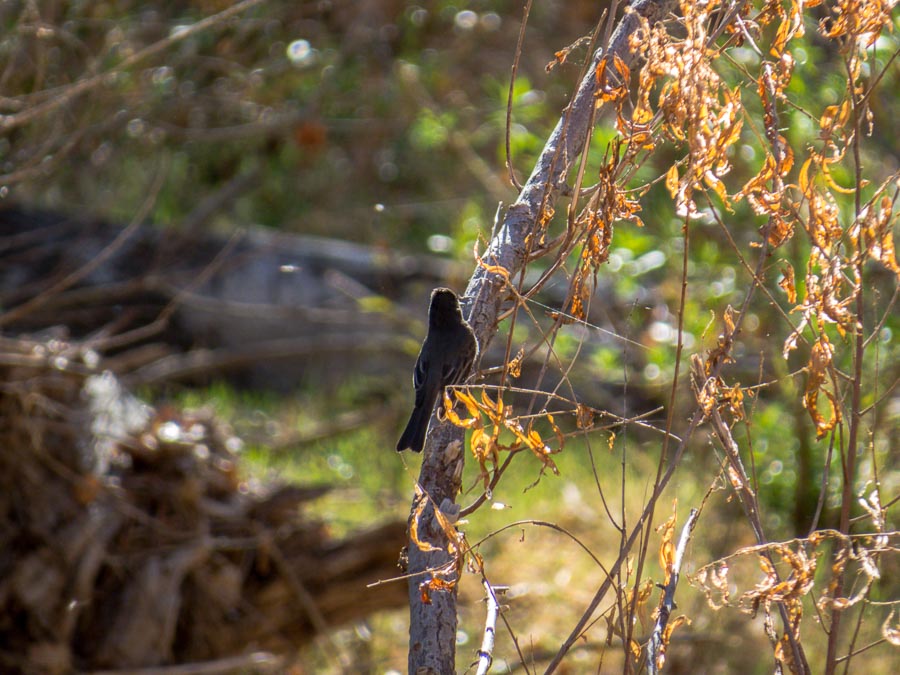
(486, 653)
(656, 651)
(131, 542)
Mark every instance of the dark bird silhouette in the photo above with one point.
(446, 358)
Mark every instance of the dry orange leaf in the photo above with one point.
(787, 283)
(414, 523)
(667, 545)
(820, 359)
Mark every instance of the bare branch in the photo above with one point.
(656, 650)
(486, 653)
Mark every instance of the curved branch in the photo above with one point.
(433, 623)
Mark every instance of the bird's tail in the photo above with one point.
(414, 435)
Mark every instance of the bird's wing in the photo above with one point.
(454, 372)
(419, 374)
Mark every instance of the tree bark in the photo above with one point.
(433, 620)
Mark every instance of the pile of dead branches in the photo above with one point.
(128, 538)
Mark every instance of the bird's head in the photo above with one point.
(444, 307)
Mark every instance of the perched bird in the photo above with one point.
(446, 358)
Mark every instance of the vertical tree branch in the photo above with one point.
(849, 454)
(656, 648)
(486, 653)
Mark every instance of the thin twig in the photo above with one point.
(486, 653)
(656, 649)
(509, 98)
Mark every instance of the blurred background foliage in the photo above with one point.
(383, 122)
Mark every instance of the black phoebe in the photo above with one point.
(446, 358)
